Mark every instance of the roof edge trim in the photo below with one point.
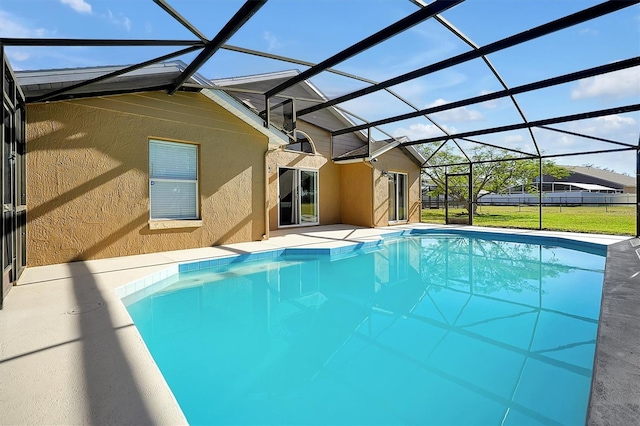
(234, 107)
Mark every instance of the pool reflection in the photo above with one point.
(428, 330)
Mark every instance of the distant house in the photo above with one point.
(584, 186)
(594, 176)
(114, 170)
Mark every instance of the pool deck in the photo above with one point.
(69, 352)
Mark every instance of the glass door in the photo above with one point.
(297, 197)
(308, 197)
(8, 204)
(397, 197)
(12, 182)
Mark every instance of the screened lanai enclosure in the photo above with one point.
(491, 94)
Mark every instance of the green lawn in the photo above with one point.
(618, 220)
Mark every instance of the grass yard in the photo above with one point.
(617, 220)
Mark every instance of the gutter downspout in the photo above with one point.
(373, 191)
(265, 236)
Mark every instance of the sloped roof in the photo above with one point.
(607, 175)
(380, 147)
(153, 77)
(377, 148)
(304, 92)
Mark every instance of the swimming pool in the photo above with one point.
(426, 329)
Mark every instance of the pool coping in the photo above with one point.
(51, 323)
(615, 387)
(144, 283)
(190, 266)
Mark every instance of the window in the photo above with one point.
(173, 180)
(397, 197)
(303, 143)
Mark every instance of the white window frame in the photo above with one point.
(195, 181)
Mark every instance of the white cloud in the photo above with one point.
(34, 57)
(412, 89)
(11, 26)
(422, 131)
(614, 127)
(588, 32)
(272, 41)
(616, 85)
(615, 121)
(17, 56)
(620, 128)
(119, 21)
(513, 138)
(79, 6)
(461, 114)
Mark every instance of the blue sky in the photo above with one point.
(314, 30)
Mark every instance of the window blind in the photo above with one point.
(173, 180)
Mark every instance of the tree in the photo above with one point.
(493, 173)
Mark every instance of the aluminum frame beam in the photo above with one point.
(405, 23)
(493, 70)
(538, 123)
(248, 9)
(331, 70)
(182, 20)
(554, 81)
(581, 135)
(522, 37)
(533, 157)
(87, 42)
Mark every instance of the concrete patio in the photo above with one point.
(70, 354)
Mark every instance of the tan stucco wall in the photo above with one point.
(88, 185)
(328, 175)
(356, 192)
(395, 161)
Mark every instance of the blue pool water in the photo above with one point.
(430, 329)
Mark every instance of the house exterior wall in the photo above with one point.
(88, 176)
(395, 161)
(329, 201)
(356, 191)
(328, 118)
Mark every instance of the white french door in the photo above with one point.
(297, 197)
